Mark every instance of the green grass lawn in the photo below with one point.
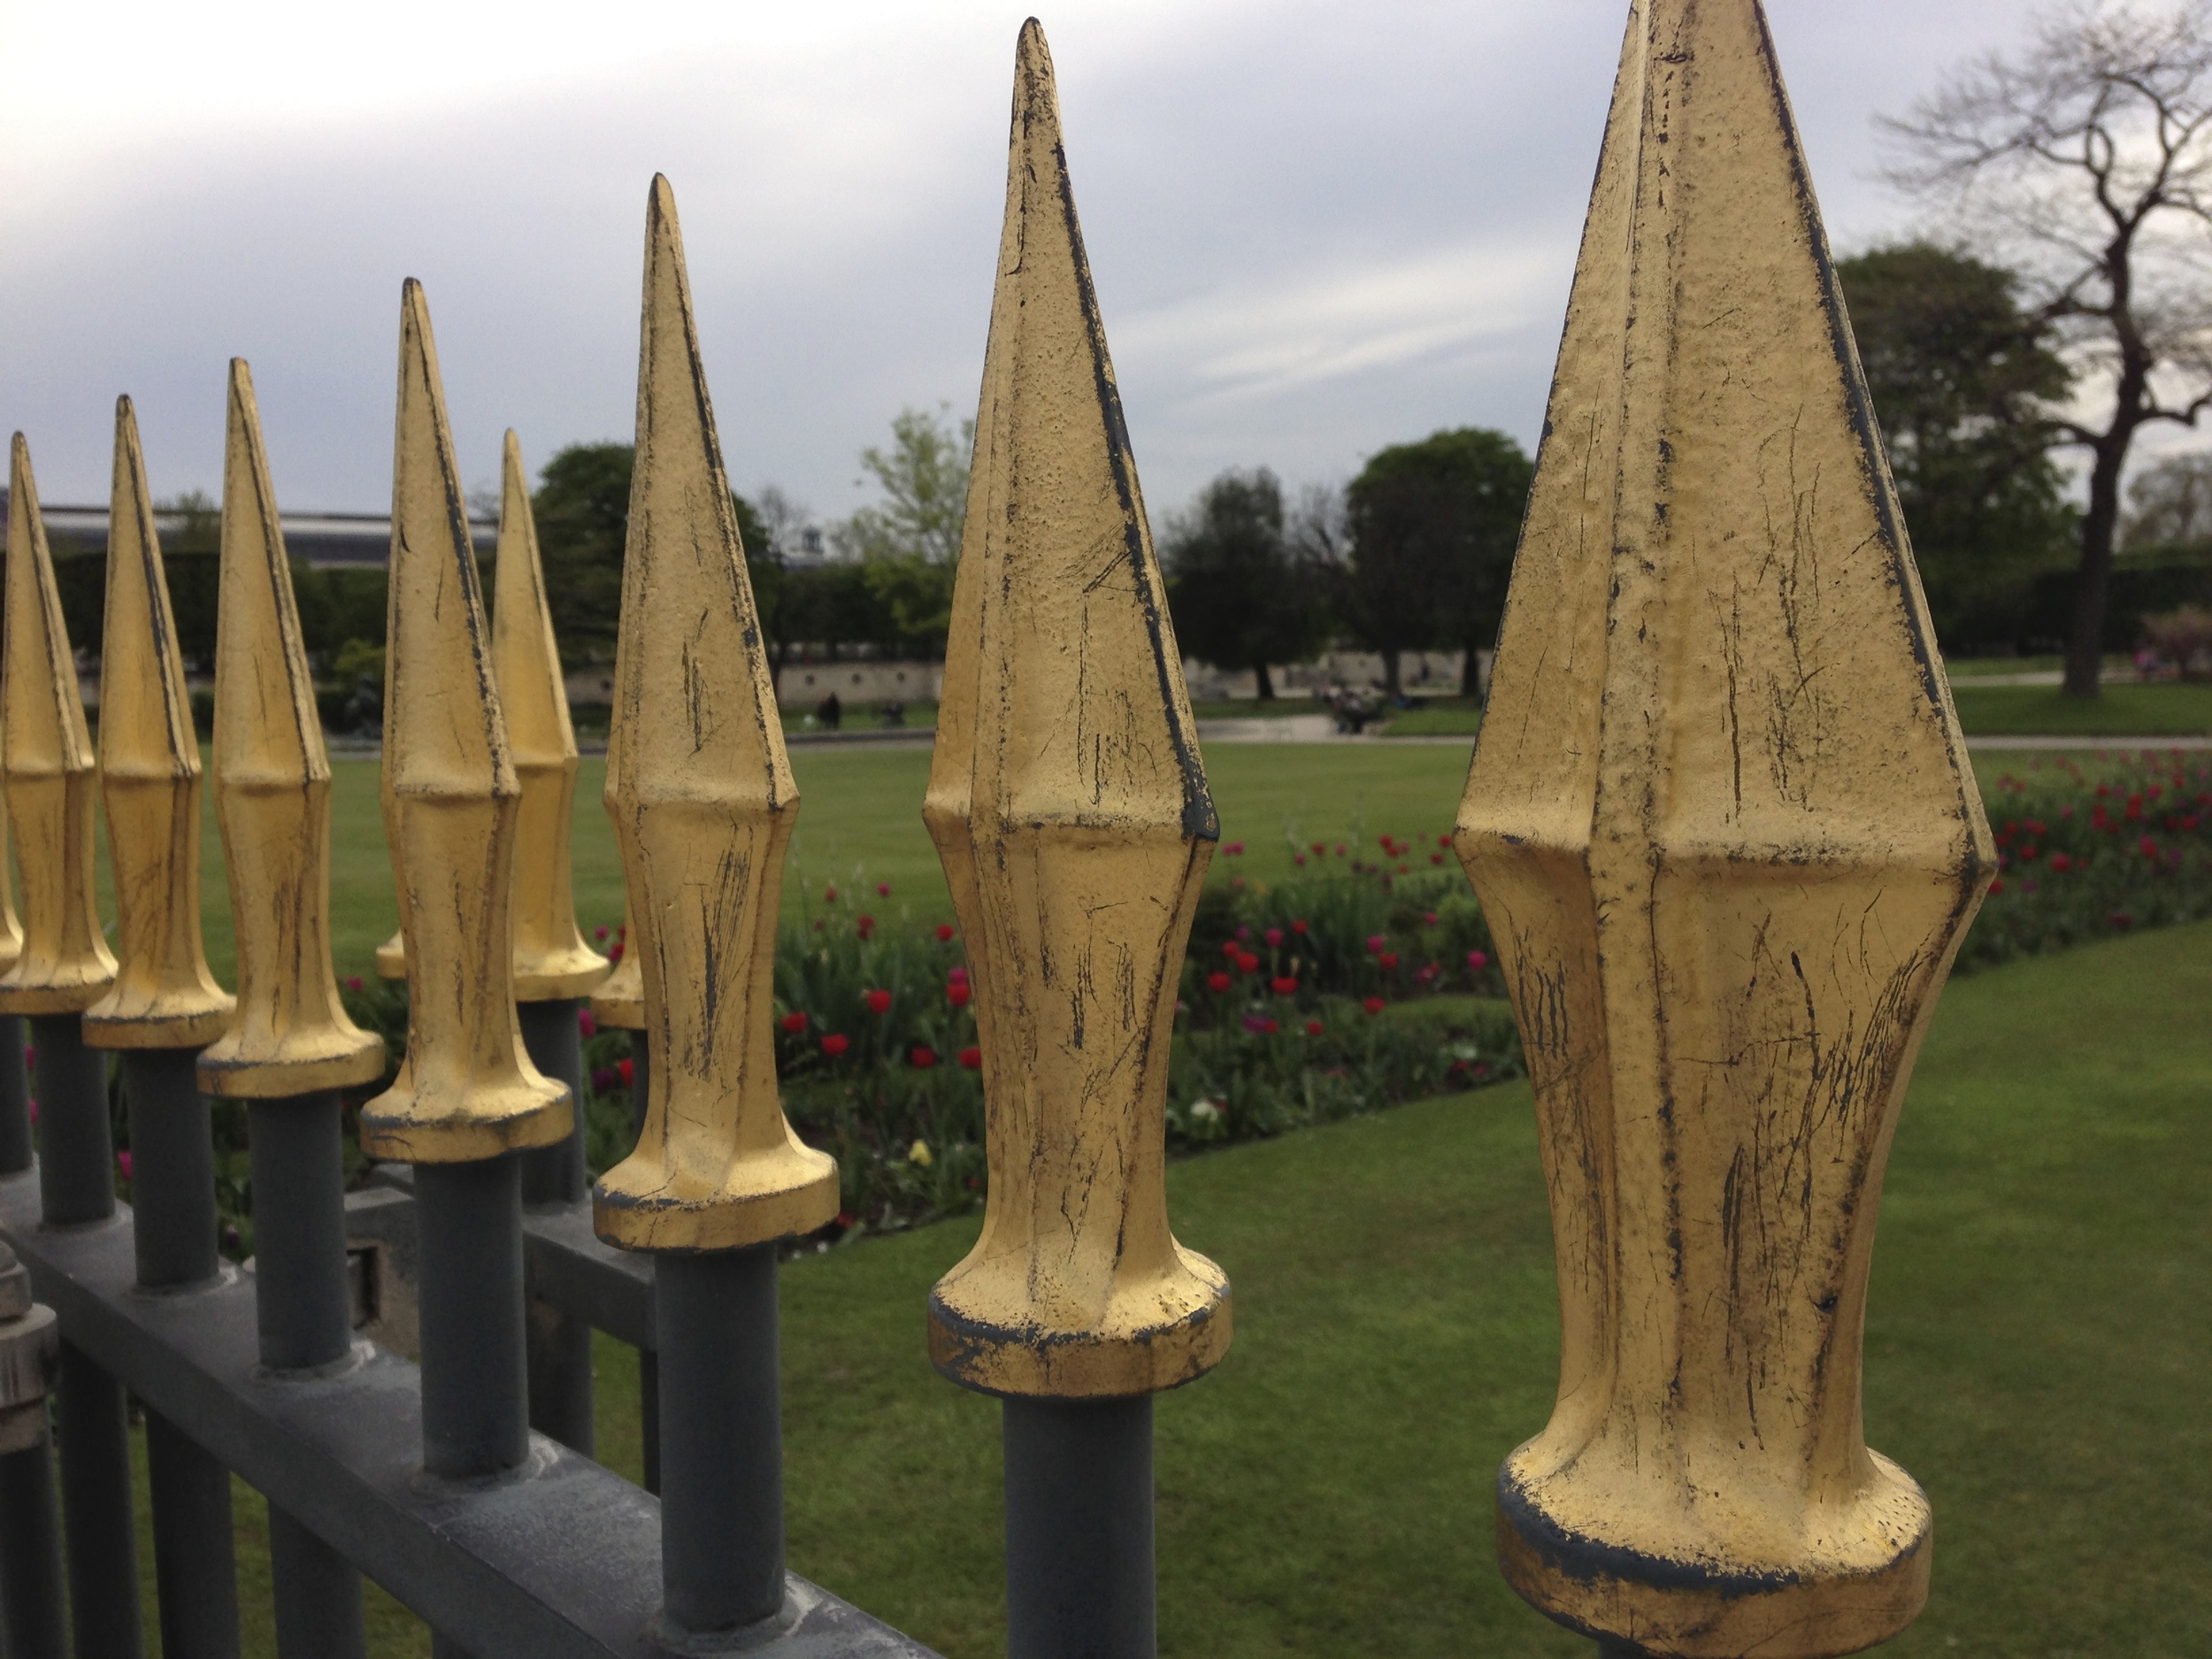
(860, 821)
(2126, 710)
(2039, 1332)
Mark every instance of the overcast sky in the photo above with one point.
(1318, 226)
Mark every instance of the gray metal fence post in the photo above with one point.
(31, 1623)
(558, 1343)
(289, 1047)
(77, 1184)
(469, 1097)
(304, 1309)
(700, 790)
(15, 1098)
(173, 1188)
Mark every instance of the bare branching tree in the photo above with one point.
(2086, 158)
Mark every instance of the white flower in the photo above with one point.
(1206, 1112)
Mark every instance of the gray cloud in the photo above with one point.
(1316, 229)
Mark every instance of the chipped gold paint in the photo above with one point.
(467, 1089)
(551, 958)
(619, 1001)
(164, 996)
(1721, 823)
(700, 791)
(290, 1034)
(1070, 810)
(62, 965)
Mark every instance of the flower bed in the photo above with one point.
(1366, 978)
(2085, 851)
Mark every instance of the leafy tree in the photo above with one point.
(908, 544)
(2170, 503)
(1432, 528)
(2086, 158)
(582, 509)
(1964, 383)
(1241, 596)
(924, 478)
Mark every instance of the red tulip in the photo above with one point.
(625, 1069)
(958, 993)
(794, 1022)
(879, 1002)
(972, 1058)
(1283, 985)
(1313, 1028)
(1216, 981)
(1373, 1005)
(835, 1044)
(922, 1058)
(944, 932)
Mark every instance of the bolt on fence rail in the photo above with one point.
(1720, 820)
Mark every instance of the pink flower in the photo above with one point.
(1375, 943)
(123, 1162)
(354, 983)
(1234, 849)
(1477, 961)
(586, 1025)
(883, 889)
(958, 976)
(599, 933)
(1274, 937)
(1428, 919)
(614, 952)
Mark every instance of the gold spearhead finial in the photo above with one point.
(63, 964)
(164, 995)
(467, 1090)
(290, 1034)
(619, 1001)
(1070, 811)
(551, 958)
(1722, 825)
(700, 794)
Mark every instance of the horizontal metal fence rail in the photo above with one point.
(1727, 841)
(564, 1562)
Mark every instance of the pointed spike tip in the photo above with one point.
(164, 995)
(700, 791)
(467, 1090)
(290, 1034)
